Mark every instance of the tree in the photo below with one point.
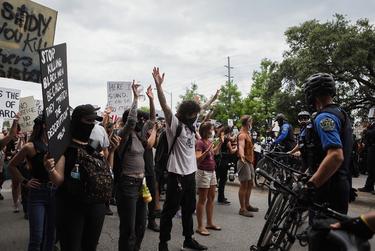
(338, 47)
(191, 93)
(260, 102)
(229, 105)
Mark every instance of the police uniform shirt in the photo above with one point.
(328, 128)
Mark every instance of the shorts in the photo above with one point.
(205, 179)
(245, 171)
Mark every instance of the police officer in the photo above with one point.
(285, 137)
(369, 139)
(332, 144)
(300, 149)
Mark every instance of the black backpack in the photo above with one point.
(162, 154)
(95, 184)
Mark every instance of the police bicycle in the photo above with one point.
(285, 219)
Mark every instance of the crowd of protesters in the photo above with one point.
(129, 163)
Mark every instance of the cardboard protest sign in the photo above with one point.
(28, 113)
(55, 98)
(119, 95)
(9, 102)
(25, 27)
(39, 106)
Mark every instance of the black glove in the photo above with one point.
(307, 195)
(357, 227)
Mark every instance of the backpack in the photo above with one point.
(163, 152)
(95, 183)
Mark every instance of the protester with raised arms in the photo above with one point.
(181, 167)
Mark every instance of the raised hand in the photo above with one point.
(149, 93)
(135, 86)
(157, 78)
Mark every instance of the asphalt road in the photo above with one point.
(238, 232)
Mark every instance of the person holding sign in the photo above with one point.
(87, 185)
(46, 176)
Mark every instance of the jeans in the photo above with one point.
(42, 214)
(79, 225)
(180, 193)
(222, 177)
(132, 211)
(151, 184)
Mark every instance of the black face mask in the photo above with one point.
(189, 122)
(81, 131)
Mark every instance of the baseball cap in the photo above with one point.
(87, 111)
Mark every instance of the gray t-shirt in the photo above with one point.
(182, 159)
(133, 162)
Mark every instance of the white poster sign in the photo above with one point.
(230, 122)
(119, 96)
(28, 112)
(39, 106)
(9, 102)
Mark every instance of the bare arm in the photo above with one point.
(210, 101)
(18, 159)
(202, 155)
(56, 171)
(232, 150)
(12, 133)
(241, 147)
(163, 102)
(150, 96)
(152, 139)
(114, 143)
(132, 117)
(330, 164)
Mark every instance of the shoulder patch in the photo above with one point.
(327, 124)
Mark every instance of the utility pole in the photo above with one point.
(229, 67)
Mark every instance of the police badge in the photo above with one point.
(327, 124)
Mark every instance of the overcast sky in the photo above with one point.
(189, 40)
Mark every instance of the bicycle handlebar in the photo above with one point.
(284, 166)
(324, 209)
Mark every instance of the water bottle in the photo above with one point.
(231, 173)
(75, 172)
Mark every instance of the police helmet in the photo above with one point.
(303, 114)
(319, 84)
(280, 118)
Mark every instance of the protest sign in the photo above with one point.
(55, 98)
(25, 27)
(230, 123)
(119, 95)
(28, 113)
(39, 106)
(9, 102)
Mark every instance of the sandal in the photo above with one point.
(203, 233)
(216, 228)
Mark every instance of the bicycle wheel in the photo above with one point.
(267, 234)
(263, 164)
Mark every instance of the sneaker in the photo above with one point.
(153, 226)
(191, 244)
(163, 246)
(16, 209)
(252, 209)
(365, 189)
(1, 197)
(246, 213)
(223, 202)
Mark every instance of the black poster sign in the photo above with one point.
(55, 98)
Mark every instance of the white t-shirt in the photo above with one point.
(99, 134)
(182, 159)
